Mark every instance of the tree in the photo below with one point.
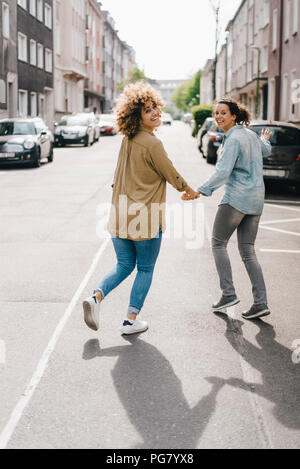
(187, 95)
(135, 75)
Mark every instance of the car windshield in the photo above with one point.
(73, 120)
(281, 136)
(16, 128)
(107, 117)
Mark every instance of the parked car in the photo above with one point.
(203, 130)
(26, 141)
(284, 162)
(187, 118)
(211, 143)
(94, 122)
(166, 118)
(76, 128)
(107, 123)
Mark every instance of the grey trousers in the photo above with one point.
(227, 221)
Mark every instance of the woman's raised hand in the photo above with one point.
(266, 134)
(190, 194)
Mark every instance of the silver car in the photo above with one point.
(25, 141)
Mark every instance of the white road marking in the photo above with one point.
(282, 220)
(283, 207)
(294, 233)
(38, 374)
(287, 251)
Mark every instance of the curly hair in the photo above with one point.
(243, 115)
(129, 106)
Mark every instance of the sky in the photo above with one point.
(172, 39)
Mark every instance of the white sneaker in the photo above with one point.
(132, 327)
(91, 311)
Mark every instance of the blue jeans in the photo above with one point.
(142, 254)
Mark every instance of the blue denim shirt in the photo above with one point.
(241, 170)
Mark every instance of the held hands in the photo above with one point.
(266, 134)
(190, 194)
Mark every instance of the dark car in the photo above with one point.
(77, 128)
(26, 141)
(211, 143)
(203, 130)
(284, 162)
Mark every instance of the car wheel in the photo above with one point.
(211, 160)
(87, 142)
(37, 161)
(51, 155)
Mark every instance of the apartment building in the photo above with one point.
(70, 72)
(8, 62)
(290, 66)
(94, 91)
(35, 58)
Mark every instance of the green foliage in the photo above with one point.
(134, 75)
(187, 94)
(200, 113)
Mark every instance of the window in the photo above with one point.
(48, 60)
(266, 13)
(284, 97)
(5, 20)
(23, 103)
(32, 52)
(295, 15)
(287, 20)
(32, 7)
(22, 47)
(275, 30)
(40, 56)
(264, 61)
(57, 39)
(22, 4)
(48, 16)
(39, 10)
(33, 104)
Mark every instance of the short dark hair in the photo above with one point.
(243, 115)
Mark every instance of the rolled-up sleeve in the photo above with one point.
(223, 169)
(266, 146)
(164, 167)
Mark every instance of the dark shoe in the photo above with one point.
(256, 311)
(225, 302)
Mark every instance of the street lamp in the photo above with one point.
(257, 101)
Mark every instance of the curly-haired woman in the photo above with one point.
(139, 194)
(241, 169)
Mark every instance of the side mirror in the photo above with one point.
(44, 132)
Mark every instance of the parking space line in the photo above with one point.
(38, 374)
(287, 220)
(293, 233)
(283, 207)
(287, 251)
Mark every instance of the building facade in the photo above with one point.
(35, 59)
(70, 56)
(262, 65)
(8, 62)
(94, 91)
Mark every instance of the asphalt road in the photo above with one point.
(195, 379)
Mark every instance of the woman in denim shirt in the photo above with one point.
(241, 169)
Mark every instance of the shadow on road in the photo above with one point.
(152, 395)
(280, 376)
